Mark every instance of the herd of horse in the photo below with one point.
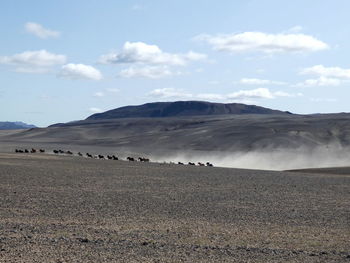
(107, 157)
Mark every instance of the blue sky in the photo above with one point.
(64, 60)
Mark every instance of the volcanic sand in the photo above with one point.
(74, 209)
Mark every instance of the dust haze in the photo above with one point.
(268, 159)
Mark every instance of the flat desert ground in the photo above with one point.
(74, 209)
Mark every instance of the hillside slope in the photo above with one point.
(182, 108)
(201, 133)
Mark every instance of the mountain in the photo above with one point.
(6, 125)
(245, 132)
(181, 109)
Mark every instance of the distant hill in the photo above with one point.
(181, 109)
(6, 125)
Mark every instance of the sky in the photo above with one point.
(63, 60)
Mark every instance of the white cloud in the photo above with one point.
(168, 93)
(260, 93)
(39, 31)
(40, 58)
(254, 81)
(295, 29)
(244, 96)
(80, 71)
(327, 72)
(95, 110)
(152, 72)
(286, 94)
(139, 52)
(320, 82)
(326, 76)
(99, 94)
(263, 42)
(210, 96)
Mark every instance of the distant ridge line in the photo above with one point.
(181, 109)
(17, 125)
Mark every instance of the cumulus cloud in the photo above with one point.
(40, 58)
(170, 93)
(152, 72)
(264, 42)
(242, 95)
(95, 110)
(320, 82)
(139, 52)
(254, 81)
(328, 72)
(40, 31)
(210, 96)
(80, 71)
(99, 94)
(260, 93)
(326, 76)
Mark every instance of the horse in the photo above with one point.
(130, 159)
(32, 150)
(209, 164)
(200, 164)
(42, 150)
(80, 154)
(190, 163)
(114, 157)
(180, 163)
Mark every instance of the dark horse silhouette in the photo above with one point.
(142, 159)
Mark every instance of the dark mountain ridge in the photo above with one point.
(7, 125)
(181, 109)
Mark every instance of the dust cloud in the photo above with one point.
(268, 159)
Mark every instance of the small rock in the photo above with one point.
(83, 240)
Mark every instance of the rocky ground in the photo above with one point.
(74, 209)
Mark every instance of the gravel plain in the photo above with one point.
(74, 209)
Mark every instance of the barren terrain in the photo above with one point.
(74, 209)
